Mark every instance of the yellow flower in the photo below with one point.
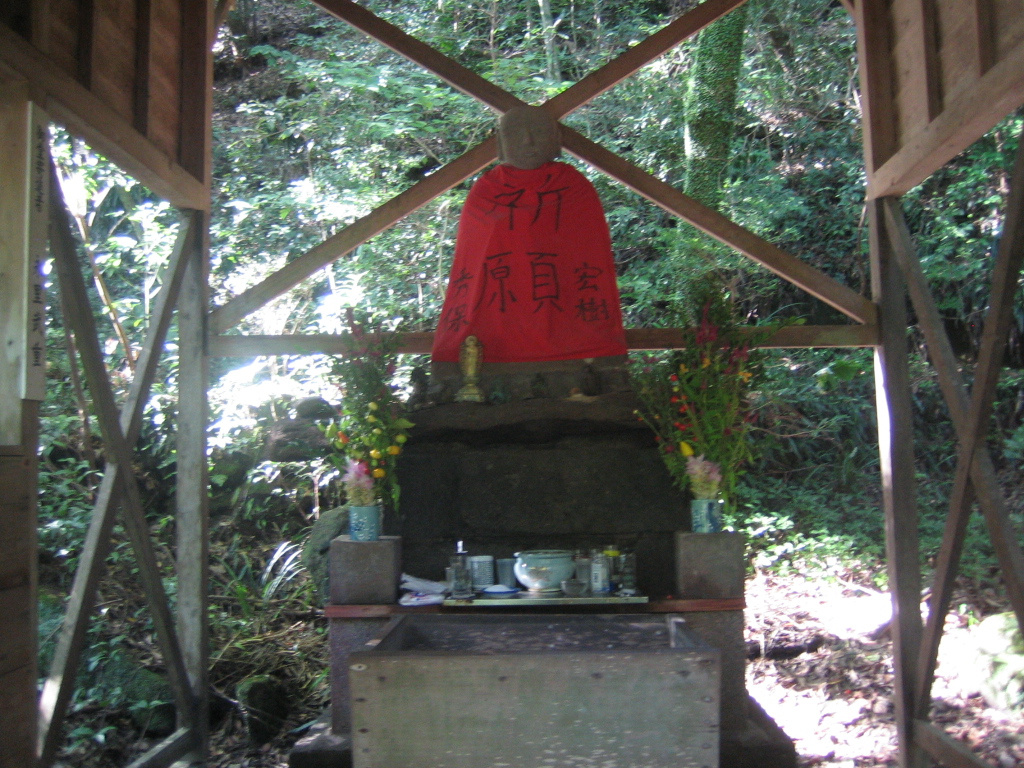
(746, 375)
(706, 362)
(685, 448)
(379, 473)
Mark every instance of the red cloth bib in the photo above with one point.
(533, 277)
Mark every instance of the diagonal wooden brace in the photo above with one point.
(975, 474)
(722, 228)
(786, 266)
(121, 486)
(60, 682)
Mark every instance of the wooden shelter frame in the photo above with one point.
(923, 103)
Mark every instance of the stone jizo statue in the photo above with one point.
(528, 137)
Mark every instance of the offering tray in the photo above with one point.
(524, 599)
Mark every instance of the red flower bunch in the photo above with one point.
(698, 399)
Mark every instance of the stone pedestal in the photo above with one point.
(710, 566)
(365, 572)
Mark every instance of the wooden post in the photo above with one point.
(896, 450)
(192, 482)
(192, 485)
(23, 210)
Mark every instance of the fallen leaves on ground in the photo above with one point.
(835, 702)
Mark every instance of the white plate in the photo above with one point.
(500, 589)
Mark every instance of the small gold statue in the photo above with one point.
(471, 356)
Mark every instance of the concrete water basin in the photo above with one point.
(535, 691)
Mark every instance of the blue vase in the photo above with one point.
(705, 516)
(364, 523)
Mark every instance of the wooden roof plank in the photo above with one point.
(985, 41)
(144, 18)
(196, 89)
(69, 103)
(86, 42)
(966, 117)
(929, 43)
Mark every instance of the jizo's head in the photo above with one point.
(528, 137)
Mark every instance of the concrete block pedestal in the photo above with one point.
(365, 572)
(362, 573)
(713, 566)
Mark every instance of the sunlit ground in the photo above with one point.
(835, 702)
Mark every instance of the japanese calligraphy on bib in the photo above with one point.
(533, 277)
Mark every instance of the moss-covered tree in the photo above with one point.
(711, 106)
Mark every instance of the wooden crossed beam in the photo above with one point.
(117, 490)
(649, 186)
(975, 477)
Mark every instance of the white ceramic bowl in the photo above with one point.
(542, 570)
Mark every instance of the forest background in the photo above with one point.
(315, 125)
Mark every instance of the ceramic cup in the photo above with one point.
(481, 569)
(507, 572)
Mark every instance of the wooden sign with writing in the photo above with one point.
(34, 371)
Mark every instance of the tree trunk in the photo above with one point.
(711, 106)
(554, 71)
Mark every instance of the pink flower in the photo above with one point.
(705, 477)
(358, 475)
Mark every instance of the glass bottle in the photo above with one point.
(599, 583)
(627, 574)
(611, 553)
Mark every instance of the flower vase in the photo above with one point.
(364, 523)
(705, 516)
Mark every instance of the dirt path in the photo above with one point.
(834, 698)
